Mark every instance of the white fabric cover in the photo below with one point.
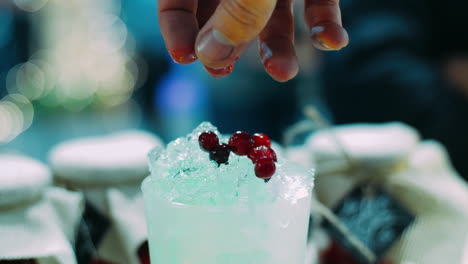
(300, 155)
(107, 160)
(108, 171)
(36, 220)
(22, 179)
(418, 174)
(439, 198)
(366, 143)
(130, 223)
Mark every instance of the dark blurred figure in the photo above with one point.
(407, 61)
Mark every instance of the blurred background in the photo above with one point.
(79, 67)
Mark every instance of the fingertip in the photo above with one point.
(179, 29)
(213, 49)
(216, 54)
(279, 58)
(281, 69)
(219, 73)
(329, 36)
(183, 56)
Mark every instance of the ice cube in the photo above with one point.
(184, 173)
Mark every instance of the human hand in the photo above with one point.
(217, 32)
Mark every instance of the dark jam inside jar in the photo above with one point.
(19, 261)
(143, 253)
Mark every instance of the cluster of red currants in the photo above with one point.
(257, 148)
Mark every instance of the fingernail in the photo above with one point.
(266, 52)
(315, 36)
(183, 56)
(316, 30)
(214, 46)
(218, 73)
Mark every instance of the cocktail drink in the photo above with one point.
(201, 211)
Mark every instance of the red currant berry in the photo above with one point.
(241, 143)
(262, 151)
(265, 168)
(261, 140)
(208, 141)
(220, 154)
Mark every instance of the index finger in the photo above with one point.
(179, 27)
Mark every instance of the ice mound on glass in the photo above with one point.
(183, 173)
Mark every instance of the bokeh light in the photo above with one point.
(30, 80)
(88, 58)
(108, 34)
(25, 106)
(16, 115)
(83, 59)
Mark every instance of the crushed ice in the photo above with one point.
(183, 173)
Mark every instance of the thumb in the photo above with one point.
(234, 24)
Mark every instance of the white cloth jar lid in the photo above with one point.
(431, 156)
(38, 230)
(22, 179)
(375, 144)
(103, 161)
